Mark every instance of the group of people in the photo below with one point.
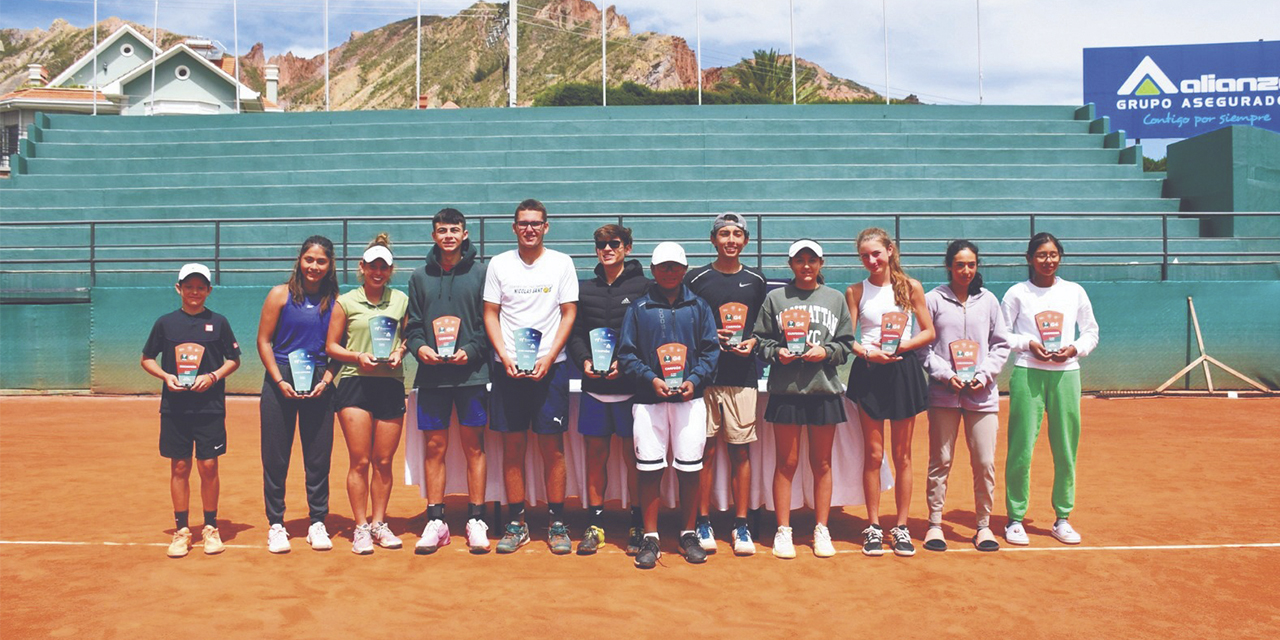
(669, 364)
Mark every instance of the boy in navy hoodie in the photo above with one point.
(669, 348)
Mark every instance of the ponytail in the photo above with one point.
(897, 277)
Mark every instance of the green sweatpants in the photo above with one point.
(1032, 394)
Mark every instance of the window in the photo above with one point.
(126, 49)
(182, 72)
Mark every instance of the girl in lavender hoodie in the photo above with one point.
(963, 310)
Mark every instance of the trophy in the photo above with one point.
(445, 329)
(189, 355)
(1050, 325)
(383, 330)
(733, 316)
(527, 342)
(603, 341)
(964, 359)
(671, 360)
(795, 329)
(892, 325)
(303, 368)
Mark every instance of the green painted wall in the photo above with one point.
(1231, 169)
(112, 63)
(1145, 330)
(203, 85)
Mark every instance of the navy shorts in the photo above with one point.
(178, 432)
(603, 419)
(435, 406)
(518, 404)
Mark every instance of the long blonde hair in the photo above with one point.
(897, 277)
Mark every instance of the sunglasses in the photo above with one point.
(612, 244)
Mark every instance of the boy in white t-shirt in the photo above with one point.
(530, 298)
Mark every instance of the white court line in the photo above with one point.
(535, 549)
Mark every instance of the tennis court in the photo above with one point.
(1174, 503)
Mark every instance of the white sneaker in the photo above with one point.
(277, 539)
(434, 536)
(1065, 534)
(822, 546)
(318, 537)
(706, 537)
(1015, 534)
(782, 546)
(477, 536)
(362, 540)
(383, 536)
(742, 543)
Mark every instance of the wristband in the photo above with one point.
(279, 381)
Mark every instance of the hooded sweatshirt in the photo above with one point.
(434, 292)
(601, 304)
(651, 322)
(979, 319)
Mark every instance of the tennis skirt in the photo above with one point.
(894, 391)
(816, 410)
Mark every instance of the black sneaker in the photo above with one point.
(902, 542)
(647, 557)
(873, 541)
(591, 541)
(691, 548)
(634, 539)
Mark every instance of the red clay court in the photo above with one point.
(1173, 503)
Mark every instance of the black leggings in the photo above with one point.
(314, 421)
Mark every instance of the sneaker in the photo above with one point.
(558, 538)
(277, 539)
(181, 544)
(362, 540)
(742, 543)
(212, 540)
(985, 540)
(383, 536)
(434, 536)
(477, 536)
(691, 548)
(635, 539)
(873, 541)
(318, 537)
(517, 536)
(1064, 533)
(1014, 533)
(706, 537)
(647, 557)
(902, 542)
(822, 546)
(591, 541)
(782, 546)
(934, 540)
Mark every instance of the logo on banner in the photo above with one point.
(1147, 80)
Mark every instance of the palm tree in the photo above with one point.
(769, 73)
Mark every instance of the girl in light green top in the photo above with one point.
(370, 395)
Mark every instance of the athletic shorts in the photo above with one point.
(604, 419)
(178, 432)
(383, 398)
(734, 410)
(435, 406)
(675, 427)
(518, 404)
(813, 410)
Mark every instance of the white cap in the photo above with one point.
(806, 243)
(377, 252)
(668, 252)
(192, 268)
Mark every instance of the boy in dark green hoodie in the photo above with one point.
(446, 333)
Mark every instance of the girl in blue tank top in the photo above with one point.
(296, 389)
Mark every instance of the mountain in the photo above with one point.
(464, 59)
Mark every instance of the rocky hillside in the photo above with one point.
(464, 58)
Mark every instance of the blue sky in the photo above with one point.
(1031, 50)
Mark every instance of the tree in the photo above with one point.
(769, 73)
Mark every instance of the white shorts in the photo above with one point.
(677, 427)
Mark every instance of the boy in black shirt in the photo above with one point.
(198, 351)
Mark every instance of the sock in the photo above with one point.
(516, 509)
(1059, 521)
(180, 519)
(687, 531)
(595, 515)
(435, 511)
(703, 520)
(637, 517)
(475, 511)
(211, 518)
(651, 535)
(739, 522)
(554, 509)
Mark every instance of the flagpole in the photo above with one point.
(513, 51)
(978, 24)
(326, 55)
(95, 57)
(793, 50)
(155, 46)
(417, 63)
(604, 57)
(697, 29)
(884, 13)
(235, 37)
